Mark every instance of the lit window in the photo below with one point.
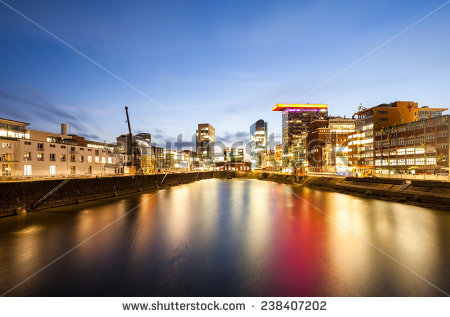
(27, 170)
(431, 161)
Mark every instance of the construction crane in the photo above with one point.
(134, 151)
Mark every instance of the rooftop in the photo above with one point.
(284, 106)
(9, 121)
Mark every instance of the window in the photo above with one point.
(27, 156)
(431, 161)
(40, 156)
(410, 151)
(27, 170)
(409, 161)
(401, 162)
(62, 157)
(40, 146)
(81, 158)
(89, 159)
(6, 145)
(72, 170)
(96, 152)
(420, 161)
(52, 169)
(103, 159)
(6, 157)
(383, 119)
(63, 146)
(72, 149)
(97, 159)
(6, 169)
(52, 145)
(109, 160)
(52, 157)
(90, 170)
(27, 143)
(72, 158)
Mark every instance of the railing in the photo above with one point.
(40, 201)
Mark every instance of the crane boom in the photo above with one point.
(130, 138)
(128, 121)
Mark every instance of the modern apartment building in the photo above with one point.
(415, 148)
(328, 144)
(371, 120)
(11, 131)
(32, 153)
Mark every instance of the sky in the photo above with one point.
(179, 63)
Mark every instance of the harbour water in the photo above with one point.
(228, 238)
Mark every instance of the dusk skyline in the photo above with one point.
(222, 63)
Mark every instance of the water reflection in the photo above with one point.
(228, 238)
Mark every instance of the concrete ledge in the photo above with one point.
(431, 194)
(16, 196)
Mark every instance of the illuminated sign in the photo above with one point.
(281, 106)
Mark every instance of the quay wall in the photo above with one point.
(19, 196)
(431, 194)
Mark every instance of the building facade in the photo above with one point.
(369, 121)
(415, 148)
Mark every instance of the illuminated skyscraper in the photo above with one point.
(206, 138)
(295, 122)
(258, 143)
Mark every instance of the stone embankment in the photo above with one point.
(22, 196)
(432, 194)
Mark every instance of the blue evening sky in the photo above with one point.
(222, 62)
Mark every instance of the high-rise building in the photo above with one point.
(226, 154)
(258, 143)
(206, 138)
(295, 122)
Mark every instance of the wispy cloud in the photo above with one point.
(233, 137)
(31, 105)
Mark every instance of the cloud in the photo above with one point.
(233, 137)
(31, 105)
(91, 136)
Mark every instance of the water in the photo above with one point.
(228, 238)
